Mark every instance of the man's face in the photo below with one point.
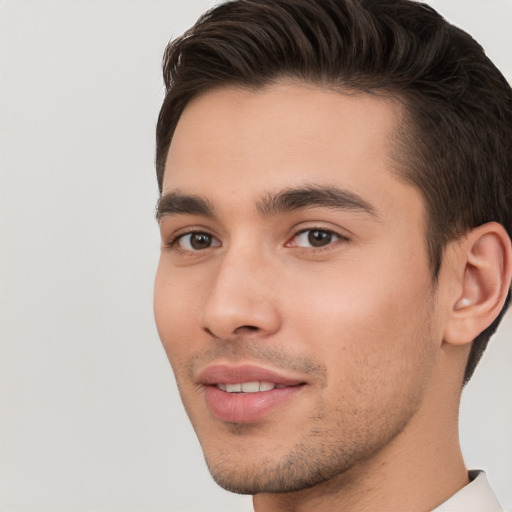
(293, 295)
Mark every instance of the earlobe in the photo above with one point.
(484, 262)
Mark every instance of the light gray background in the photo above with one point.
(89, 416)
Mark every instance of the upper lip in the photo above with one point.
(234, 374)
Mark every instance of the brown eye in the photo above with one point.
(197, 241)
(315, 238)
(319, 238)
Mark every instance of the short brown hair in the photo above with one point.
(456, 142)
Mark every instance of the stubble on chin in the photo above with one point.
(324, 455)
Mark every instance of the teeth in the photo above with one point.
(247, 387)
(267, 386)
(250, 387)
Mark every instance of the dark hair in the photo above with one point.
(456, 141)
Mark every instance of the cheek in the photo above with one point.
(367, 318)
(378, 344)
(173, 314)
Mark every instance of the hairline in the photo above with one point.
(403, 162)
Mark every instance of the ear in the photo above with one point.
(483, 269)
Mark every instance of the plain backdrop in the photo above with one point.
(89, 416)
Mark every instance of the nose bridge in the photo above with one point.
(241, 297)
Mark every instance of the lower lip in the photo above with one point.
(247, 407)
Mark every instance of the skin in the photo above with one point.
(358, 320)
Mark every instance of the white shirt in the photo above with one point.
(477, 496)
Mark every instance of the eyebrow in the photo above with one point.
(287, 200)
(313, 196)
(176, 203)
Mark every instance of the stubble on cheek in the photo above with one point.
(353, 417)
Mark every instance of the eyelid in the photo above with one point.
(339, 238)
(172, 241)
(214, 242)
(178, 235)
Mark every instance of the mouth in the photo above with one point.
(247, 393)
(249, 387)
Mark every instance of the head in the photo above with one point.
(443, 120)
(454, 143)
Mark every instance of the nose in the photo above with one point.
(241, 301)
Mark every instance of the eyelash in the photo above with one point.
(174, 242)
(339, 238)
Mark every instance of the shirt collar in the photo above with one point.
(477, 496)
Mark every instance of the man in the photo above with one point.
(336, 182)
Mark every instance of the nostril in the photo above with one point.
(246, 329)
(238, 330)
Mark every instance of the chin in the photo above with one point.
(281, 479)
(258, 473)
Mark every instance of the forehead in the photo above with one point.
(233, 142)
